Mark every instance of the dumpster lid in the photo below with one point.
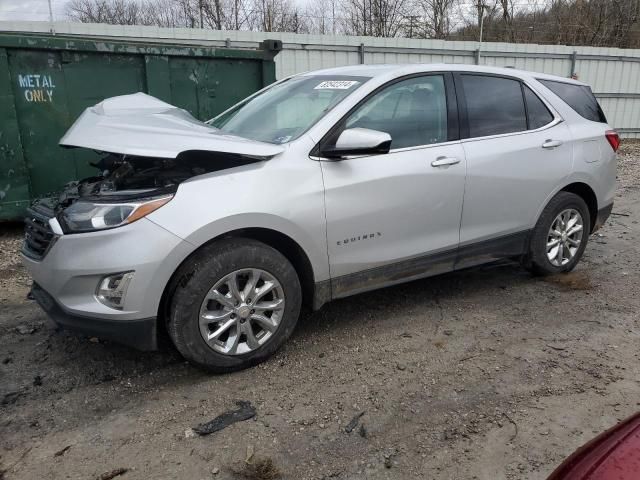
(140, 124)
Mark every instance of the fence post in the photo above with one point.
(574, 57)
(361, 52)
(477, 56)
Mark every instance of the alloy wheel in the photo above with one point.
(564, 237)
(242, 311)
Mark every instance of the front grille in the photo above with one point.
(38, 236)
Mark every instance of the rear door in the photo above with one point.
(517, 151)
(396, 216)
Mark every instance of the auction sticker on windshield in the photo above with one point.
(336, 85)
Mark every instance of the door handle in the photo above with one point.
(551, 143)
(444, 161)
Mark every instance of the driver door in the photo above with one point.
(396, 216)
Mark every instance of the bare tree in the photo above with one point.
(122, 12)
(613, 23)
(164, 13)
(278, 16)
(376, 18)
(266, 15)
(507, 8)
(238, 17)
(435, 18)
(167, 13)
(323, 16)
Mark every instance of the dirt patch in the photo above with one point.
(481, 374)
(258, 469)
(576, 280)
(628, 171)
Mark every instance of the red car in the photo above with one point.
(612, 455)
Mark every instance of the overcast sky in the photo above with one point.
(31, 9)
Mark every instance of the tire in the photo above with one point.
(537, 259)
(231, 259)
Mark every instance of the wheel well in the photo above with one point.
(287, 247)
(588, 195)
(277, 240)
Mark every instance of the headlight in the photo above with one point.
(84, 216)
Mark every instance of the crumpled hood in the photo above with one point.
(142, 125)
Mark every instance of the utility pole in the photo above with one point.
(481, 8)
(235, 13)
(201, 15)
(51, 27)
(333, 17)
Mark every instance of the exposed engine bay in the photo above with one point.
(148, 148)
(127, 177)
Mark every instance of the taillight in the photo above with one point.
(613, 139)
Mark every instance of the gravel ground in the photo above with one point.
(482, 374)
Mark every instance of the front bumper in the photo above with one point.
(140, 334)
(66, 279)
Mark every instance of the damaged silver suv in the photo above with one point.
(322, 185)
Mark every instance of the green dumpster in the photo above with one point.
(47, 81)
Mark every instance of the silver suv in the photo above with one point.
(320, 186)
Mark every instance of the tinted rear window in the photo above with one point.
(494, 105)
(539, 114)
(578, 97)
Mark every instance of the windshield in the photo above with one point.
(285, 111)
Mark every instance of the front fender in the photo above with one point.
(315, 248)
(284, 195)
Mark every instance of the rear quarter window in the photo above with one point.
(539, 115)
(579, 97)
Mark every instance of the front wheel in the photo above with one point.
(235, 302)
(560, 236)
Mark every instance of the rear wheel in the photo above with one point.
(560, 236)
(236, 301)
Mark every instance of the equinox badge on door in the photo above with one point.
(368, 236)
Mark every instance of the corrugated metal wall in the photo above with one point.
(613, 73)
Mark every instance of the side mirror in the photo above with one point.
(359, 141)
